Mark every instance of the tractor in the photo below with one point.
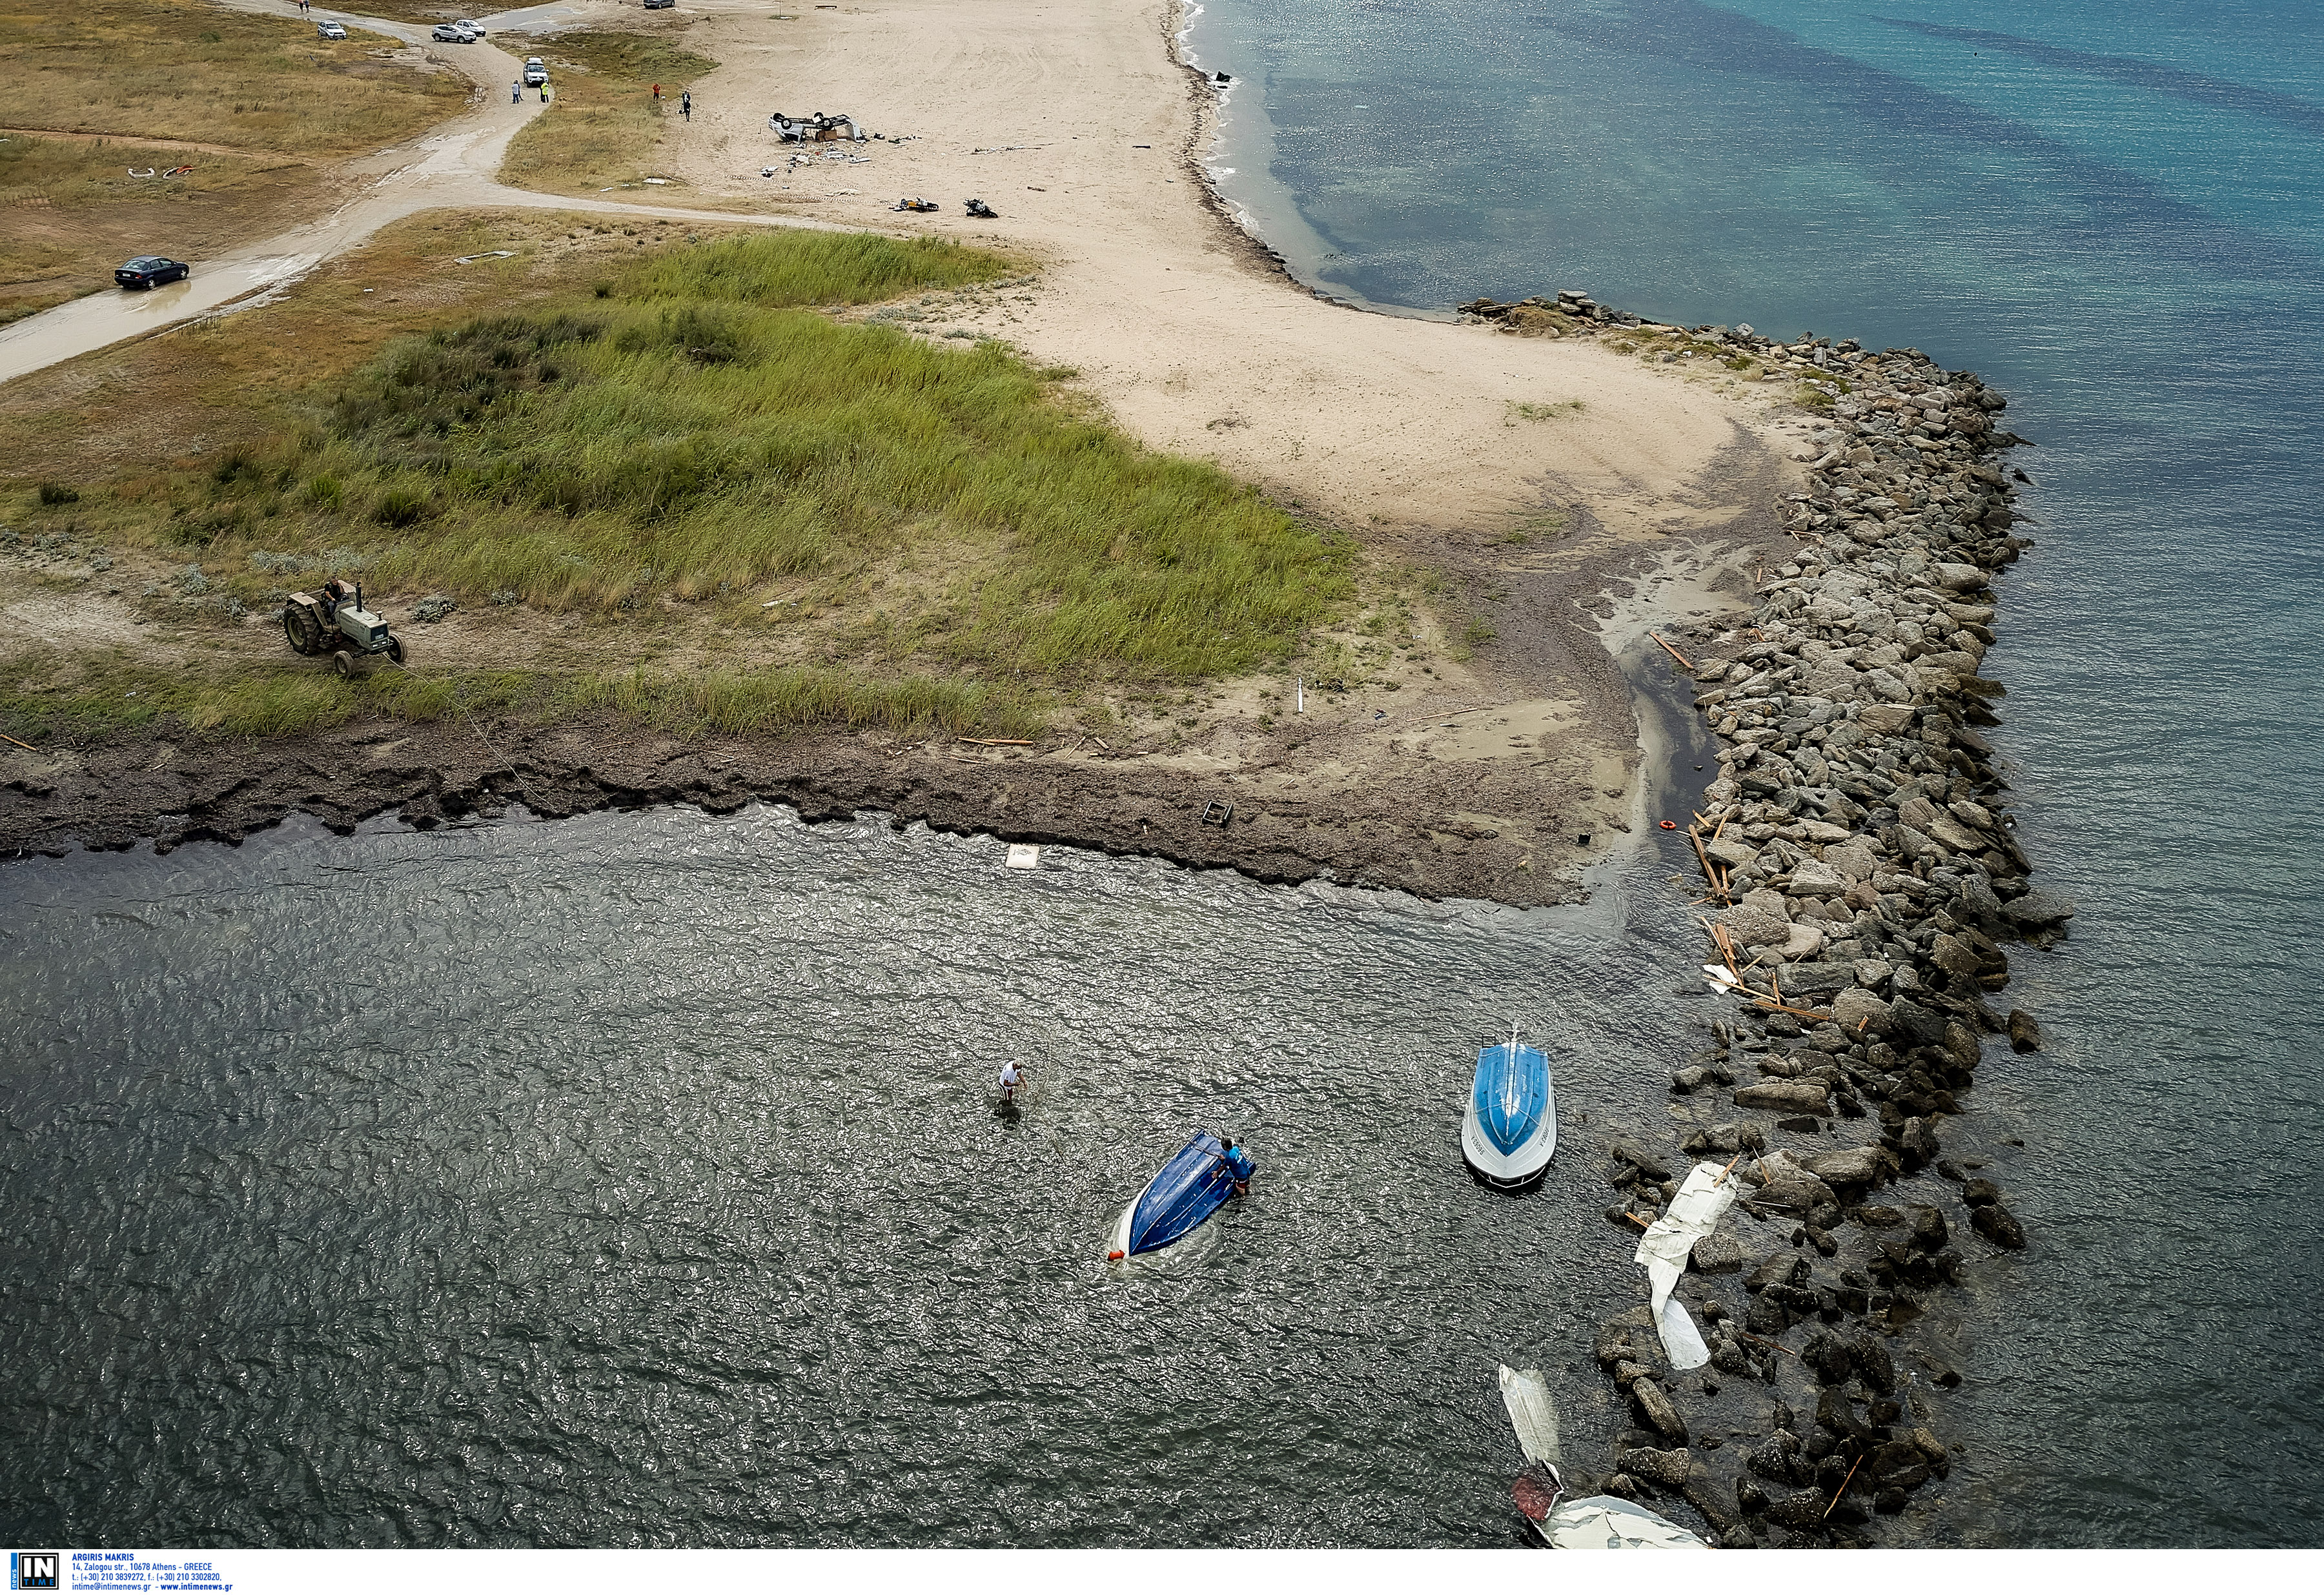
(332, 620)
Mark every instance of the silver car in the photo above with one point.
(452, 33)
(330, 31)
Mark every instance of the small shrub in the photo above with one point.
(53, 493)
(400, 507)
(325, 492)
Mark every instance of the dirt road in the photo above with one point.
(452, 166)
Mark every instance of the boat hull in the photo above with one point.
(1509, 1132)
(1192, 1186)
(1506, 1171)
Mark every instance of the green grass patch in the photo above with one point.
(680, 440)
(809, 268)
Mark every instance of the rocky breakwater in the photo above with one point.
(1861, 880)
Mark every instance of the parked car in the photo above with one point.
(660, 5)
(536, 71)
(330, 31)
(452, 33)
(152, 270)
(476, 28)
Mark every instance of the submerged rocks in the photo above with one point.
(1997, 1224)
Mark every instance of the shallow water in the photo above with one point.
(637, 1179)
(2114, 210)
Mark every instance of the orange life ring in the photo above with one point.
(1670, 825)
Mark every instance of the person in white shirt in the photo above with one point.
(1009, 1079)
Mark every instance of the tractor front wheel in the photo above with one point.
(395, 649)
(344, 663)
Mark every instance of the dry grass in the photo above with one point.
(75, 212)
(603, 128)
(182, 69)
(46, 697)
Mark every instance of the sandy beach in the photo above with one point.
(1077, 125)
(1557, 495)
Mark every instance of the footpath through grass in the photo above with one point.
(603, 128)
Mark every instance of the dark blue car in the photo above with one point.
(152, 270)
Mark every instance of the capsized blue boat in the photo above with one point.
(1189, 1189)
(1510, 1131)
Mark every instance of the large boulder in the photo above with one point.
(1665, 1468)
(1910, 1025)
(1643, 1158)
(1787, 1096)
(1751, 927)
(1718, 1254)
(1851, 861)
(1815, 980)
(1655, 1409)
(2040, 906)
(1997, 1224)
(1886, 719)
(1856, 1008)
(1853, 1166)
(1815, 878)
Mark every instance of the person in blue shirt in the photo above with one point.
(1239, 1164)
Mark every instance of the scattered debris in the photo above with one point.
(492, 255)
(1024, 856)
(919, 204)
(978, 207)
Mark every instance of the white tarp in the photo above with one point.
(1604, 1523)
(1663, 1252)
(1532, 1413)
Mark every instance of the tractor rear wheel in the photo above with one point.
(344, 663)
(298, 627)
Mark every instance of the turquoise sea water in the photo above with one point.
(2114, 210)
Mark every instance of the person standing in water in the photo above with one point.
(1009, 1080)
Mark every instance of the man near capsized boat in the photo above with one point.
(1239, 1164)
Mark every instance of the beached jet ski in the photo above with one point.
(1190, 1188)
(1510, 1131)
